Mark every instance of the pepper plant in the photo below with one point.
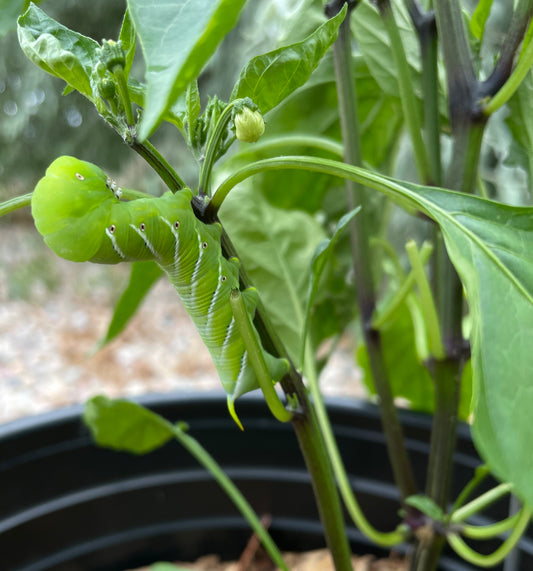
(385, 192)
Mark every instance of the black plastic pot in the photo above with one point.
(67, 505)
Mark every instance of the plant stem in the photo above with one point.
(314, 450)
(426, 299)
(122, 84)
(386, 539)
(15, 203)
(304, 140)
(491, 530)
(479, 475)
(430, 88)
(448, 293)
(212, 147)
(514, 37)
(400, 193)
(310, 437)
(513, 83)
(356, 195)
(468, 554)
(256, 357)
(161, 166)
(394, 303)
(481, 502)
(407, 96)
(206, 460)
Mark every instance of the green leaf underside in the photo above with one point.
(143, 276)
(177, 38)
(125, 425)
(269, 78)
(57, 50)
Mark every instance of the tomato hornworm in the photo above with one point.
(78, 211)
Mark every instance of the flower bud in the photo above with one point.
(249, 125)
(112, 54)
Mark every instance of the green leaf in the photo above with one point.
(479, 18)
(56, 49)
(124, 425)
(269, 78)
(426, 506)
(129, 39)
(192, 101)
(177, 39)
(276, 247)
(143, 276)
(318, 263)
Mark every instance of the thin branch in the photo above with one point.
(512, 41)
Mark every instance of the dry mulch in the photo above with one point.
(319, 560)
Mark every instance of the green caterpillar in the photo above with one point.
(78, 211)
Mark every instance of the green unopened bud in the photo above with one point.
(112, 54)
(106, 87)
(249, 125)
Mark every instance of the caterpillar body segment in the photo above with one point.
(77, 210)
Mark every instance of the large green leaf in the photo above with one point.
(269, 78)
(58, 50)
(177, 38)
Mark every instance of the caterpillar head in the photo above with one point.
(70, 204)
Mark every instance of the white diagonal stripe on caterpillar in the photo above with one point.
(149, 244)
(227, 339)
(196, 271)
(211, 308)
(174, 231)
(116, 247)
(242, 370)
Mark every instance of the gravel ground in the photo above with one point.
(53, 313)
